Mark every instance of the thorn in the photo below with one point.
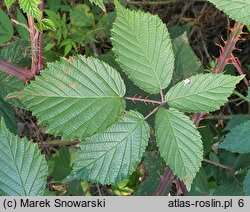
(200, 127)
(224, 41)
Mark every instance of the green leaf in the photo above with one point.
(202, 92)
(242, 161)
(179, 143)
(81, 16)
(9, 84)
(246, 184)
(22, 31)
(63, 161)
(23, 169)
(99, 3)
(154, 166)
(236, 9)
(236, 120)
(242, 143)
(48, 24)
(186, 62)
(76, 98)
(200, 186)
(9, 3)
(229, 188)
(6, 28)
(31, 7)
(8, 115)
(142, 44)
(110, 156)
(17, 52)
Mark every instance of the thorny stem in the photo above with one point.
(134, 99)
(36, 53)
(166, 181)
(40, 44)
(16, 71)
(222, 61)
(33, 40)
(237, 65)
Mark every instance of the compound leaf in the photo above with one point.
(142, 44)
(202, 92)
(236, 9)
(6, 28)
(112, 155)
(242, 143)
(179, 143)
(31, 7)
(246, 184)
(76, 98)
(23, 169)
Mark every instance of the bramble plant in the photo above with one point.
(84, 99)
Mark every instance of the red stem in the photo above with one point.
(16, 71)
(166, 181)
(222, 61)
(40, 44)
(237, 65)
(182, 187)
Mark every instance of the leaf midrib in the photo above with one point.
(146, 56)
(118, 143)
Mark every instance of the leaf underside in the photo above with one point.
(143, 47)
(23, 170)
(236, 9)
(242, 143)
(112, 155)
(202, 92)
(76, 98)
(179, 143)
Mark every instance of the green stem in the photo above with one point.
(218, 164)
(241, 96)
